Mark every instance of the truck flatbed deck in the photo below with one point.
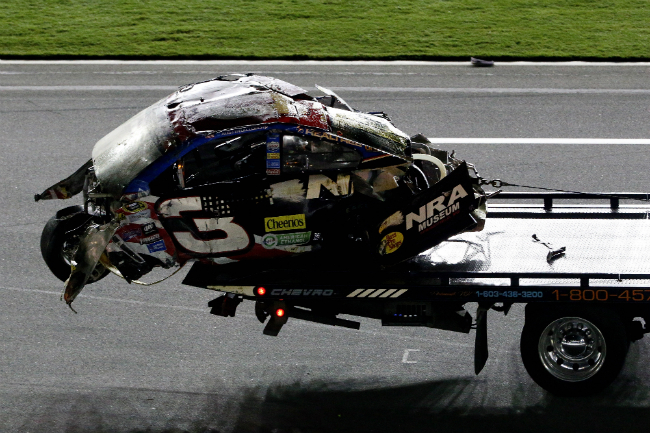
(585, 302)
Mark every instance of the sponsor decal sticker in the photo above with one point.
(130, 234)
(391, 243)
(273, 154)
(156, 246)
(139, 216)
(149, 229)
(436, 210)
(273, 163)
(150, 239)
(286, 222)
(271, 240)
(135, 207)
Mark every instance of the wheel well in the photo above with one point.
(636, 318)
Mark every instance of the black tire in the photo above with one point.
(573, 350)
(58, 241)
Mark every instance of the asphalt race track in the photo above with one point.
(152, 359)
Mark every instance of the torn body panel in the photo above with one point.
(366, 128)
(68, 187)
(244, 106)
(217, 105)
(91, 247)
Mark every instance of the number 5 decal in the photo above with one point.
(228, 237)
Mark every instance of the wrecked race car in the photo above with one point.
(251, 170)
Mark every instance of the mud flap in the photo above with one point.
(481, 343)
(428, 218)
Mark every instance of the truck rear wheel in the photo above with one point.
(573, 349)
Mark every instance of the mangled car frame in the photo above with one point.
(310, 209)
(253, 168)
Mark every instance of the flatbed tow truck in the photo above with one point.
(582, 269)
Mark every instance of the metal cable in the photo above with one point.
(497, 183)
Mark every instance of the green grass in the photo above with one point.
(327, 29)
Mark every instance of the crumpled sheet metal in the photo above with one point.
(376, 182)
(210, 107)
(91, 247)
(216, 105)
(196, 109)
(123, 153)
(196, 90)
(184, 105)
(366, 128)
(275, 85)
(68, 187)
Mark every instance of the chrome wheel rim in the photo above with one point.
(572, 349)
(68, 250)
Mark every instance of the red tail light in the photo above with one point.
(279, 312)
(261, 291)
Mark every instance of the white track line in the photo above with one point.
(431, 90)
(436, 140)
(102, 298)
(492, 90)
(602, 141)
(305, 62)
(203, 310)
(85, 88)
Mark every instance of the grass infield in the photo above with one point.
(326, 29)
